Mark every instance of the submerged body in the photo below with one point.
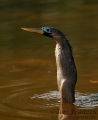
(66, 69)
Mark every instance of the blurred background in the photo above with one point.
(28, 87)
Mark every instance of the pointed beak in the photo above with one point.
(34, 30)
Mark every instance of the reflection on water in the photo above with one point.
(67, 112)
(28, 88)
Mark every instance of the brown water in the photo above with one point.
(28, 87)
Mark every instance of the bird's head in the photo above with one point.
(47, 31)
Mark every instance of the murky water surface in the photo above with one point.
(28, 87)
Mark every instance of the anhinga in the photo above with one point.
(66, 69)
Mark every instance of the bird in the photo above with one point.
(66, 68)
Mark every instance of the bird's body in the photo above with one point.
(66, 69)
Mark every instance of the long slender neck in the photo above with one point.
(64, 60)
(66, 70)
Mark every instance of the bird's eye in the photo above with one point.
(46, 29)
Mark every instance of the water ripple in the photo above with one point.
(82, 100)
(25, 99)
